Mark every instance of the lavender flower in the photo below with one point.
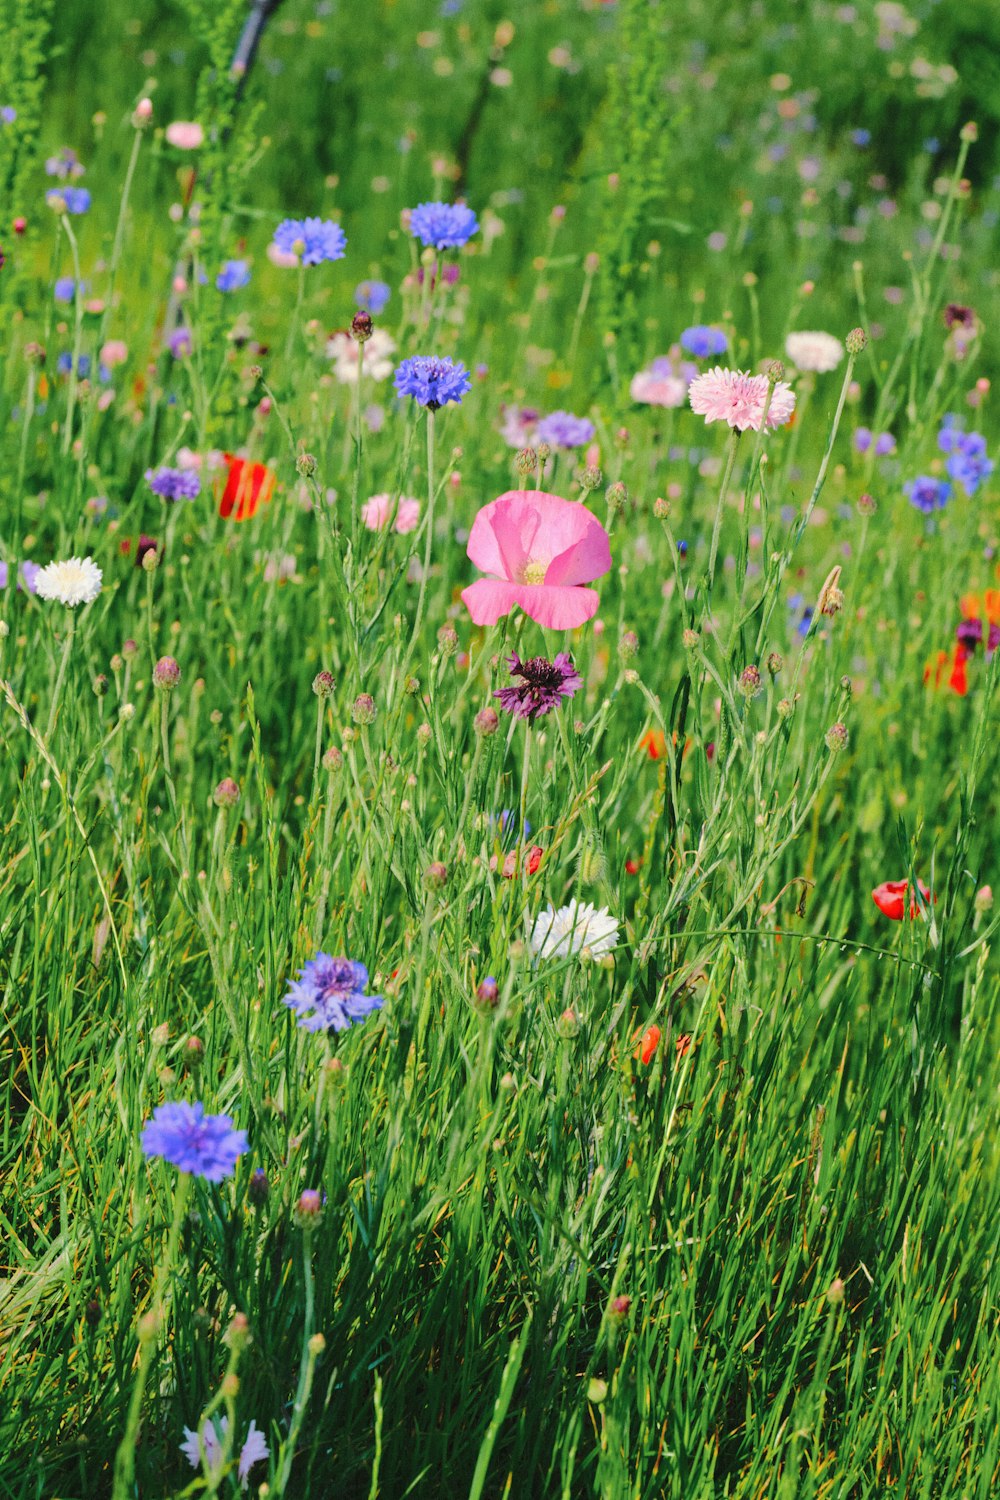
(432, 382)
(64, 289)
(372, 296)
(543, 684)
(313, 240)
(443, 226)
(179, 343)
(191, 1141)
(174, 484)
(702, 341)
(213, 1434)
(234, 275)
(329, 994)
(560, 429)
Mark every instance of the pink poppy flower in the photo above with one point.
(737, 398)
(537, 550)
(377, 513)
(186, 135)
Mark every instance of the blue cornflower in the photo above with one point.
(860, 137)
(66, 164)
(174, 484)
(329, 994)
(8, 114)
(701, 341)
(561, 429)
(314, 240)
(64, 365)
(927, 494)
(234, 274)
(68, 200)
(372, 296)
(970, 466)
(443, 226)
(64, 289)
(433, 382)
(191, 1141)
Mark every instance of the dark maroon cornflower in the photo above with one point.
(543, 683)
(145, 544)
(969, 633)
(956, 313)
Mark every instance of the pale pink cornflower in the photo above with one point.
(739, 399)
(186, 135)
(380, 510)
(650, 389)
(114, 352)
(538, 550)
(814, 351)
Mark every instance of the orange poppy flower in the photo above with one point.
(654, 743)
(646, 1045)
(248, 484)
(958, 681)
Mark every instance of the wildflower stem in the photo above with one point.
(61, 675)
(734, 438)
(77, 335)
(311, 1349)
(821, 476)
(123, 1484)
(429, 537)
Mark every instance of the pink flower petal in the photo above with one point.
(555, 608)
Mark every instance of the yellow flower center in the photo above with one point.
(534, 572)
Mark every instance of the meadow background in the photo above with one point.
(755, 1258)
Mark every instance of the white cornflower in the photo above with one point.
(557, 934)
(76, 581)
(343, 350)
(816, 352)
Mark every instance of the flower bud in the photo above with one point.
(750, 682)
(324, 684)
(305, 465)
(774, 663)
(835, 1292)
(100, 685)
(194, 1053)
(130, 650)
(628, 645)
(836, 738)
(488, 991)
(362, 327)
(983, 900)
(785, 708)
(308, 1209)
(227, 793)
(424, 735)
(258, 1187)
(166, 674)
(616, 496)
(150, 560)
(486, 722)
(618, 1308)
(831, 596)
(568, 1025)
(856, 340)
(661, 508)
(332, 759)
(591, 478)
(436, 876)
(525, 461)
(447, 639)
(690, 639)
(363, 710)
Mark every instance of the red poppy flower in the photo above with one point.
(632, 866)
(532, 862)
(646, 1045)
(654, 743)
(683, 1043)
(890, 898)
(248, 484)
(959, 681)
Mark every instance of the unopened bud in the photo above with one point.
(306, 465)
(486, 722)
(774, 663)
(661, 508)
(750, 682)
(867, 505)
(525, 461)
(436, 876)
(628, 645)
(227, 793)
(836, 738)
(332, 759)
(591, 478)
(166, 673)
(616, 496)
(100, 685)
(856, 340)
(362, 327)
(363, 710)
(324, 684)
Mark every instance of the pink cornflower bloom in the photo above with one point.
(186, 135)
(737, 398)
(650, 389)
(538, 550)
(379, 511)
(114, 352)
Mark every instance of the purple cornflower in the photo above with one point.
(560, 429)
(314, 240)
(234, 275)
(329, 994)
(179, 343)
(174, 484)
(433, 382)
(64, 364)
(191, 1141)
(702, 341)
(885, 443)
(443, 226)
(68, 200)
(927, 494)
(372, 296)
(64, 289)
(967, 462)
(543, 684)
(213, 1434)
(29, 576)
(66, 164)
